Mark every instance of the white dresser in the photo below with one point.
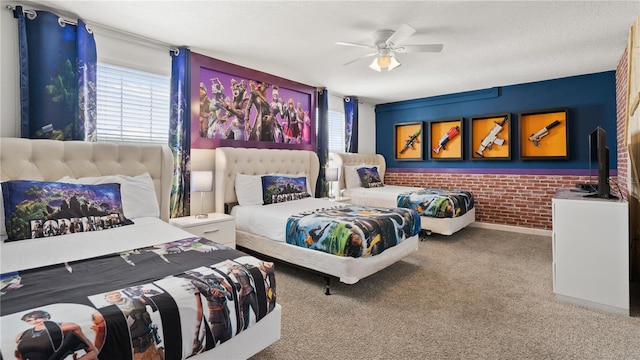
(591, 251)
(220, 228)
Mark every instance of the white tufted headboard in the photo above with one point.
(50, 160)
(230, 161)
(350, 159)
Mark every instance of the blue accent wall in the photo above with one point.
(591, 100)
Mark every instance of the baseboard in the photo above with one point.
(517, 229)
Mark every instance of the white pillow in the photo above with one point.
(138, 193)
(249, 189)
(351, 177)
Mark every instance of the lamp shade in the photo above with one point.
(384, 61)
(201, 181)
(331, 174)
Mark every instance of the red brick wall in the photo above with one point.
(621, 101)
(516, 200)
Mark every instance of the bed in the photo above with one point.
(261, 228)
(439, 222)
(134, 286)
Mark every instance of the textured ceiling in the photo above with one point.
(486, 44)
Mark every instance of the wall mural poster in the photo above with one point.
(241, 108)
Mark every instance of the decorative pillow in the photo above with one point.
(370, 177)
(249, 189)
(40, 209)
(138, 193)
(277, 189)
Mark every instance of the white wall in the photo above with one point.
(9, 76)
(366, 122)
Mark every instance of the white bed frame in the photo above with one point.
(443, 226)
(230, 161)
(50, 160)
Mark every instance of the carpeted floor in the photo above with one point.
(478, 294)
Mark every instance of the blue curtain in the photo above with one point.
(322, 146)
(351, 124)
(179, 133)
(57, 77)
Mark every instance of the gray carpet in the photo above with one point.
(478, 294)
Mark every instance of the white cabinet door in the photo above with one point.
(590, 251)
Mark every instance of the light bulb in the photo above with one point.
(384, 61)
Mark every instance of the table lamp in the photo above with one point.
(331, 175)
(201, 181)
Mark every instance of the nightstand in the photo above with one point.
(217, 227)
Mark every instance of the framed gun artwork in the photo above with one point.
(544, 134)
(491, 137)
(408, 141)
(445, 139)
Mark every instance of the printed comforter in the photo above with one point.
(437, 203)
(354, 231)
(170, 301)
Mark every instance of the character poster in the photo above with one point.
(239, 107)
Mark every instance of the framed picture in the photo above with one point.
(490, 137)
(408, 141)
(445, 139)
(544, 134)
(238, 107)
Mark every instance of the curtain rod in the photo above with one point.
(109, 31)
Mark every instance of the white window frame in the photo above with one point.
(336, 131)
(133, 106)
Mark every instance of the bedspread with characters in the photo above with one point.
(437, 203)
(351, 230)
(168, 301)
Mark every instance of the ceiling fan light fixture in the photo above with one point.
(394, 63)
(374, 65)
(384, 61)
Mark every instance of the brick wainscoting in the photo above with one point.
(515, 200)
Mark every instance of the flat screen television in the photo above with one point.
(599, 164)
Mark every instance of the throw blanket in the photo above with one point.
(179, 298)
(351, 230)
(437, 203)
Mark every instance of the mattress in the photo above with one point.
(271, 220)
(270, 240)
(53, 250)
(145, 288)
(387, 195)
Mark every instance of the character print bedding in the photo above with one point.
(167, 301)
(437, 203)
(353, 231)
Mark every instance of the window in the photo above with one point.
(336, 131)
(132, 106)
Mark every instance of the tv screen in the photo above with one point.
(599, 164)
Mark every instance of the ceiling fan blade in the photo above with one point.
(355, 44)
(360, 58)
(401, 34)
(419, 48)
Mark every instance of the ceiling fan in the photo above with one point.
(388, 42)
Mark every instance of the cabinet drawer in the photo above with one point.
(221, 232)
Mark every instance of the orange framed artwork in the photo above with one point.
(445, 139)
(491, 137)
(408, 141)
(544, 134)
